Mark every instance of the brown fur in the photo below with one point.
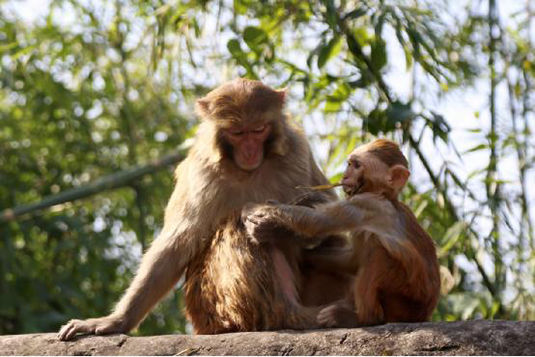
(231, 284)
(395, 282)
(396, 276)
(232, 287)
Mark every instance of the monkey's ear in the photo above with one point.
(398, 175)
(202, 107)
(281, 93)
(208, 142)
(280, 144)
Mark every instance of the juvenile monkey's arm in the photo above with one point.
(326, 219)
(323, 220)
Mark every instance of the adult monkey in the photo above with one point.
(245, 151)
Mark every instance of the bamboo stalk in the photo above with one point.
(116, 180)
(320, 187)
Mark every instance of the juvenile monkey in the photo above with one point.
(246, 150)
(396, 275)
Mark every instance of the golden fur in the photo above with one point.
(231, 285)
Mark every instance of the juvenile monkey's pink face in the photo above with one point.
(352, 181)
(248, 144)
(362, 168)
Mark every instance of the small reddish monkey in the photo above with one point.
(246, 150)
(393, 259)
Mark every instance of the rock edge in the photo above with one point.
(478, 337)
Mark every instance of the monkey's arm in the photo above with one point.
(156, 275)
(261, 220)
(161, 267)
(364, 210)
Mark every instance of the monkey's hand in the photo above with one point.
(262, 223)
(99, 326)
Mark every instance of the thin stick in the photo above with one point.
(320, 187)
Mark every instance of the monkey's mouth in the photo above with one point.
(353, 190)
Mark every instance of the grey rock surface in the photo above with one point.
(445, 338)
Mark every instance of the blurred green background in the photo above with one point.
(96, 90)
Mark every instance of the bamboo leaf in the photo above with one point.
(330, 50)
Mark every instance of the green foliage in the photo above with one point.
(76, 106)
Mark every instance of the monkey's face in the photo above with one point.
(364, 173)
(248, 117)
(248, 143)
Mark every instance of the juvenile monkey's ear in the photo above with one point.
(398, 175)
(202, 107)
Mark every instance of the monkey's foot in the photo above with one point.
(337, 315)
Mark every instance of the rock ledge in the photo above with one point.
(445, 338)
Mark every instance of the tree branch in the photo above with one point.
(116, 180)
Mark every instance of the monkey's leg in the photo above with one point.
(230, 288)
(241, 286)
(367, 305)
(286, 285)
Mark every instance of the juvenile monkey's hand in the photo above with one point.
(99, 326)
(262, 222)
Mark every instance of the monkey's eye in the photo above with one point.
(236, 132)
(353, 163)
(260, 129)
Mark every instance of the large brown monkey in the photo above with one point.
(393, 258)
(245, 151)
